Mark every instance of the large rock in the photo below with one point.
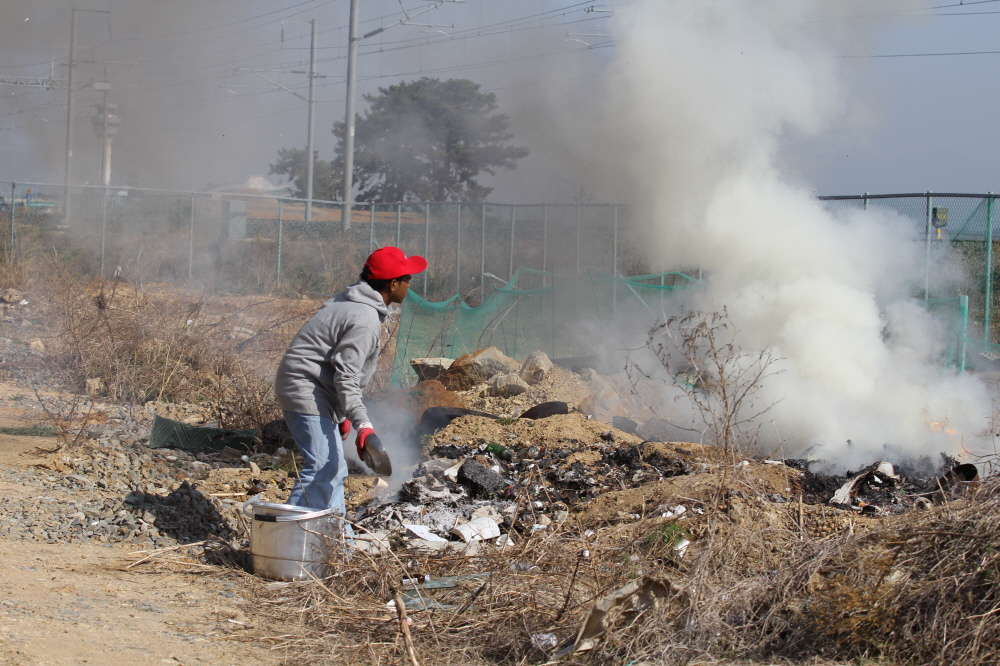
(603, 405)
(469, 370)
(430, 368)
(506, 386)
(535, 367)
(432, 393)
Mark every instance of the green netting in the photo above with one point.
(562, 317)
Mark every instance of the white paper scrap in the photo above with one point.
(423, 533)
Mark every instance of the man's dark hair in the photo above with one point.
(377, 285)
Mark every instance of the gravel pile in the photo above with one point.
(118, 495)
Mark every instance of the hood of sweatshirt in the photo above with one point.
(361, 292)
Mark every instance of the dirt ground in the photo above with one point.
(79, 603)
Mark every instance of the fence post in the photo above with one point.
(482, 256)
(864, 202)
(399, 216)
(927, 251)
(988, 296)
(578, 239)
(963, 304)
(510, 263)
(13, 191)
(458, 250)
(191, 242)
(104, 224)
(427, 240)
(281, 223)
(614, 263)
(545, 244)
(371, 230)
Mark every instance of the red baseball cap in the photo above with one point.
(387, 263)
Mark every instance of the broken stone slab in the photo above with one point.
(480, 480)
(429, 369)
(535, 367)
(469, 370)
(506, 386)
(428, 489)
(372, 542)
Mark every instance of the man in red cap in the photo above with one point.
(328, 364)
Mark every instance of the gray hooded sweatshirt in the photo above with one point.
(333, 356)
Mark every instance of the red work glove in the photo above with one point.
(345, 429)
(364, 429)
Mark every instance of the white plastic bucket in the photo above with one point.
(290, 542)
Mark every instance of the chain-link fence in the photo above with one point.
(250, 241)
(963, 223)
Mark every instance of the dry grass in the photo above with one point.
(921, 589)
(132, 345)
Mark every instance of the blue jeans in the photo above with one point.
(321, 480)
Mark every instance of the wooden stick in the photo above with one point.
(404, 626)
(154, 553)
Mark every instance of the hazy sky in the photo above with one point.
(194, 116)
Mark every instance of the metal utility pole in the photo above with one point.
(106, 124)
(309, 132)
(352, 77)
(67, 172)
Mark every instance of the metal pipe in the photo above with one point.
(281, 221)
(458, 250)
(510, 264)
(371, 228)
(927, 252)
(427, 241)
(309, 130)
(399, 217)
(67, 174)
(104, 225)
(578, 239)
(352, 75)
(545, 244)
(482, 255)
(963, 304)
(191, 242)
(988, 295)
(10, 250)
(614, 263)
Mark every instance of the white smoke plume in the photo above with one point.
(706, 94)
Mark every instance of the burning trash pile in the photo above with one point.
(557, 469)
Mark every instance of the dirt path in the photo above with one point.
(76, 603)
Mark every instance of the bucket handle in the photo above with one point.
(286, 519)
